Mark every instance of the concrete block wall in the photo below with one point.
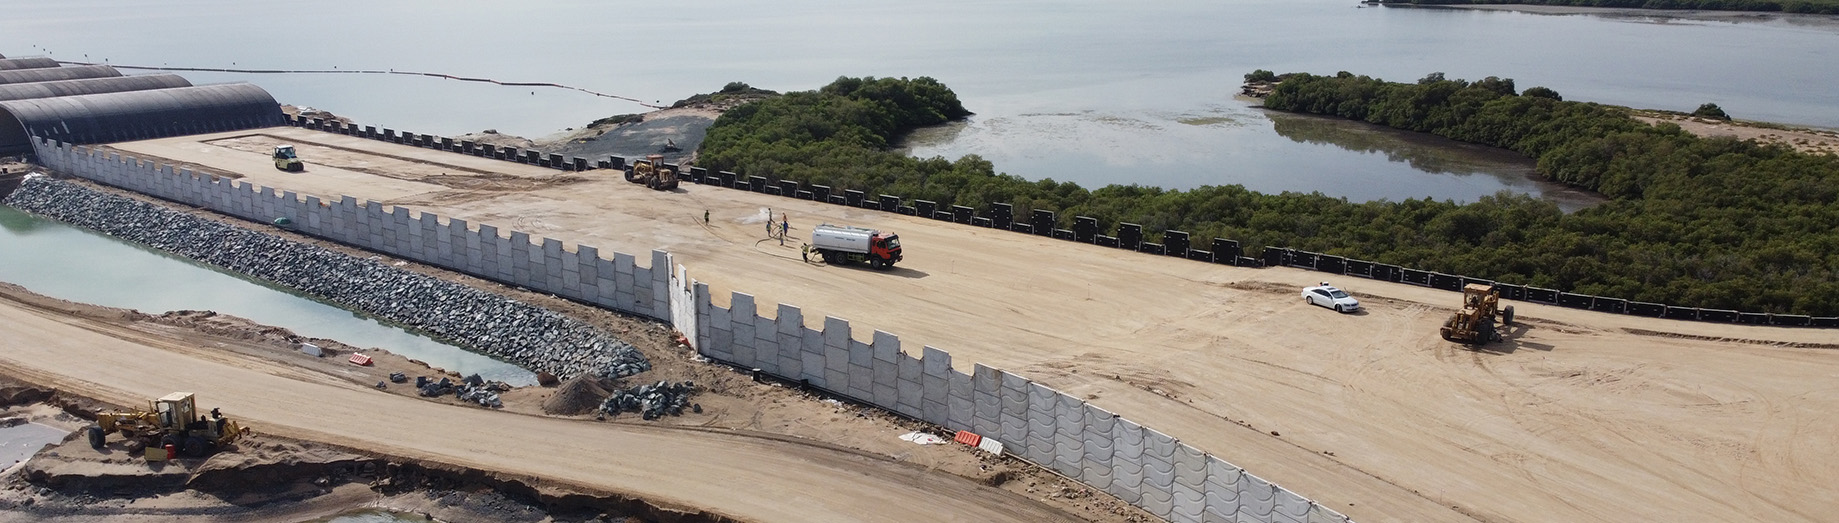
(540, 264)
(1164, 476)
(1061, 432)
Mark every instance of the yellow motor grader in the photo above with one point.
(1474, 324)
(171, 420)
(653, 173)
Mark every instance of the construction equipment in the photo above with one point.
(170, 421)
(653, 173)
(287, 160)
(841, 243)
(1474, 324)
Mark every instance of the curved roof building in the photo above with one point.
(50, 74)
(111, 84)
(135, 115)
(37, 62)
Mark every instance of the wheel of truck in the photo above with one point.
(1484, 333)
(652, 182)
(631, 176)
(876, 263)
(1507, 315)
(195, 446)
(96, 436)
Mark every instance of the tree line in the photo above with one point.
(1714, 223)
(1827, 7)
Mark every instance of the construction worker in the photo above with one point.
(805, 252)
(705, 216)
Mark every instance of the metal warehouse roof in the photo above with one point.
(36, 62)
(135, 115)
(114, 84)
(50, 74)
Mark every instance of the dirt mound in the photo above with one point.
(579, 395)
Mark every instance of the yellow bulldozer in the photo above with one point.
(172, 420)
(1474, 324)
(653, 173)
(287, 160)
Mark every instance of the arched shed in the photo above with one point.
(52, 74)
(36, 62)
(114, 84)
(135, 115)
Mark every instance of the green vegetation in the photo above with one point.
(1712, 111)
(1698, 222)
(1787, 6)
(733, 93)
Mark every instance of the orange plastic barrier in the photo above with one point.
(968, 438)
(360, 359)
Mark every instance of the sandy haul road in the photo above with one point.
(742, 476)
(1580, 417)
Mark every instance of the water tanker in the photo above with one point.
(838, 244)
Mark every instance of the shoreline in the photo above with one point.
(1699, 15)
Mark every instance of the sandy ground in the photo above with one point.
(1579, 417)
(749, 475)
(1815, 141)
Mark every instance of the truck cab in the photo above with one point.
(886, 247)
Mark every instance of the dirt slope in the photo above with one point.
(1581, 417)
(747, 476)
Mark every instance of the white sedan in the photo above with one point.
(1330, 297)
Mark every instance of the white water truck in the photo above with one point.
(839, 244)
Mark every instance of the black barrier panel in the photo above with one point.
(1830, 321)
(491, 152)
(1359, 268)
(838, 199)
(1152, 248)
(1541, 295)
(1043, 222)
(1575, 301)
(890, 203)
(533, 157)
(1615, 305)
(1752, 318)
(1200, 255)
(467, 146)
(1414, 276)
(1789, 320)
(619, 162)
(1681, 313)
(1717, 315)
(446, 144)
(756, 183)
(1105, 241)
(353, 130)
(1063, 234)
(555, 160)
(1331, 264)
(1511, 292)
(389, 134)
(512, 154)
(771, 190)
(370, 131)
(1228, 249)
(727, 178)
(944, 216)
(1445, 281)
(852, 197)
(1247, 261)
(975, 220)
(1001, 215)
(822, 193)
(1175, 242)
(426, 140)
(1304, 259)
(906, 209)
(696, 174)
(1085, 228)
(603, 164)
(740, 185)
(1129, 235)
(925, 208)
(1477, 281)
(1022, 228)
(1653, 310)
(804, 195)
(1274, 257)
(789, 187)
(962, 214)
(581, 165)
(1385, 272)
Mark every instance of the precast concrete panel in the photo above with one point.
(1190, 466)
(909, 394)
(986, 399)
(813, 356)
(1099, 424)
(1257, 499)
(1222, 488)
(958, 404)
(1290, 508)
(1187, 505)
(886, 350)
(721, 342)
(861, 371)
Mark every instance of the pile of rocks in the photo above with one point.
(653, 401)
(532, 337)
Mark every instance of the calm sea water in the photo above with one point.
(79, 265)
(1093, 92)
